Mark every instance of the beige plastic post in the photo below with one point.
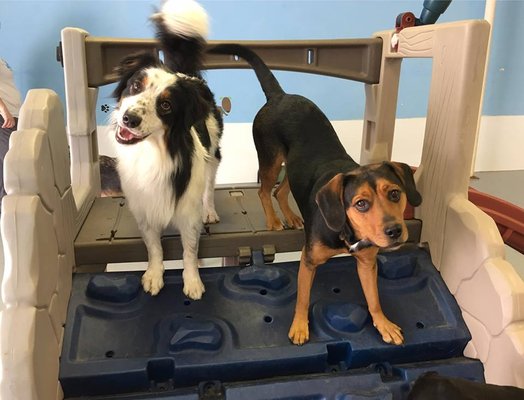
(465, 243)
(37, 234)
(81, 123)
(381, 108)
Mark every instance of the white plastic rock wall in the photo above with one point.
(37, 231)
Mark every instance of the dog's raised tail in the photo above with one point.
(267, 80)
(182, 28)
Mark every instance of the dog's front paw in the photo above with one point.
(193, 287)
(390, 332)
(299, 331)
(210, 217)
(153, 281)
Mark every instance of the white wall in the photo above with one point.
(500, 145)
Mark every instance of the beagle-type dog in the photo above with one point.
(346, 208)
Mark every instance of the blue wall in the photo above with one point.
(30, 32)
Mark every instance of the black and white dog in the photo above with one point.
(167, 137)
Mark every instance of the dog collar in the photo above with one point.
(346, 235)
(361, 244)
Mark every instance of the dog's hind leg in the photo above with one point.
(282, 196)
(210, 215)
(152, 280)
(269, 170)
(190, 235)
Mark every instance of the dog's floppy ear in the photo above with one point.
(129, 65)
(405, 174)
(197, 100)
(331, 204)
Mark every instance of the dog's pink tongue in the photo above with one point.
(126, 134)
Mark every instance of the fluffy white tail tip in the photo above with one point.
(185, 18)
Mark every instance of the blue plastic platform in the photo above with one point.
(119, 339)
(378, 382)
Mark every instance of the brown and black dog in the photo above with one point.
(346, 208)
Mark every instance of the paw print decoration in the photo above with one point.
(104, 108)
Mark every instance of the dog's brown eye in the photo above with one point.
(136, 87)
(362, 205)
(165, 106)
(394, 195)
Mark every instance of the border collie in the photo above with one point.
(167, 132)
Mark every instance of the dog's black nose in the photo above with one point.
(131, 120)
(393, 231)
